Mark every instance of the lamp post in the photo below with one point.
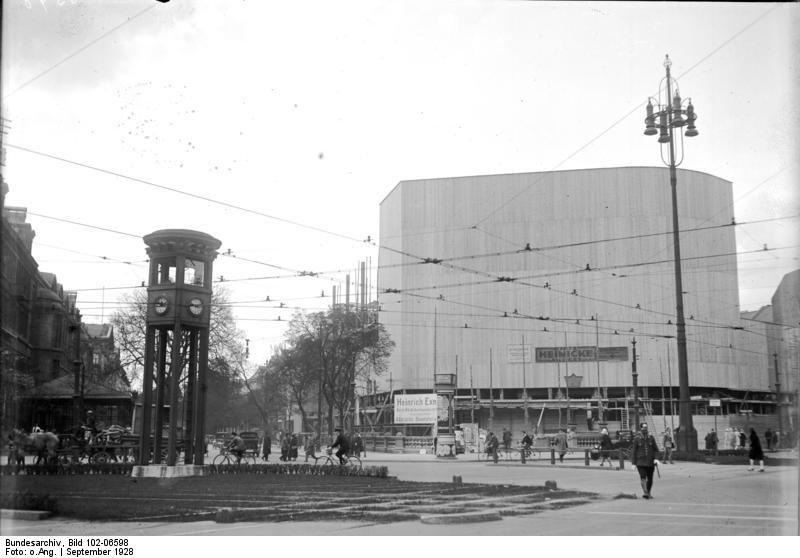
(672, 116)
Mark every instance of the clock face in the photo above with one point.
(195, 307)
(161, 305)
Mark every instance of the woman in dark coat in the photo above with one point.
(756, 453)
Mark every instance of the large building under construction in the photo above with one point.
(532, 288)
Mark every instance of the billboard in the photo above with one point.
(581, 354)
(419, 408)
(519, 354)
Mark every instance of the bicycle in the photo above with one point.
(229, 458)
(329, 459)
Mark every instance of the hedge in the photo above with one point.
(231, 469)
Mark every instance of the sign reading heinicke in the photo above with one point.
(581, 354)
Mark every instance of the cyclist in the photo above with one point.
(343, 444)
(236, 447)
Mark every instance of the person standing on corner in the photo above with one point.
(742, 440)
(561, 444)
(605, 447)
(756, 453)
(669, 445)
(643, 456)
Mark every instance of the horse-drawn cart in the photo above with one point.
(113, 445)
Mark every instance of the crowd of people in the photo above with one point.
(290, 443)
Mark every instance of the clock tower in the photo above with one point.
(178, 318)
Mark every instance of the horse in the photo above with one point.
(40, 442)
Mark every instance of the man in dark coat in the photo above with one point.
(343, 444)
(756, 453)
(561, 444)
(643, 455)
(605, 447)
(293, 444)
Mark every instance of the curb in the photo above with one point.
(452, 518)
(25, 515)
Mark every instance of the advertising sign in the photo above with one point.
(714, 403)
(581, 354)
(518, 354)
(419, 408)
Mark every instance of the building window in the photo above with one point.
(95, 359)
(194, 272)
(165, 269)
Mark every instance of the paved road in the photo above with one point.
(689, 499)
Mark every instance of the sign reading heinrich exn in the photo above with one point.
(581, 354)
(420, 408)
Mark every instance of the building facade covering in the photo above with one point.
(532, 288)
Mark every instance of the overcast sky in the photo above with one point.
(312, 112)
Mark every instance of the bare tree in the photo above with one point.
(337, 348)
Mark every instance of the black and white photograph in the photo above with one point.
(398, 268)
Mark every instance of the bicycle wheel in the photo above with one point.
(354, 461)
(482, 455)
(248, 459)
(101, 457)
(222, 459)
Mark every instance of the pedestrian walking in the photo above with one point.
(756, 453)
(358, 446)
(742, 440)
(734, 441)
(643, 457)
(492, 443)
(561, 444)
(293, 444)
(768, 439)
(267, 448)
(284, 447)
(311, 447)
(605, 447)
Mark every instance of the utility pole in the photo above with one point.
(778, 394)
(600, 413)
(635, 375)
(524, 385)
(491, 394)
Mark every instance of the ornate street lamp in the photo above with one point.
(672, 116)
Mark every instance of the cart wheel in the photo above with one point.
(101, 457)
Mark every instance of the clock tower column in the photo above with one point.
(178, 318)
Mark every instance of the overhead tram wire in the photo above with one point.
(298, 273)
(423, 260)
(523, 315)
(189, 194)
